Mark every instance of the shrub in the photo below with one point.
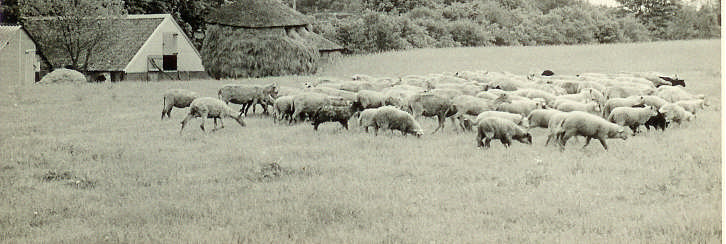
(63, 75)
(468, 33)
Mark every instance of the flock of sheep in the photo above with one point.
(497, 105)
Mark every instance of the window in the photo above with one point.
(169, 62)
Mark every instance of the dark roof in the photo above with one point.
(114, 52)
(257, 14)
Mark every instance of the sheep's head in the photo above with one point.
(239, 119)
(621, 132)
(526, 138)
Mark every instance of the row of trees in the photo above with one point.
(401, 24)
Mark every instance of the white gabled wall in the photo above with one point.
(188, 58)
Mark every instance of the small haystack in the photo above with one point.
(63, 75)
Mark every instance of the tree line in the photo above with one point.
(382, 25)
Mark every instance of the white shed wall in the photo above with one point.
(188, 58)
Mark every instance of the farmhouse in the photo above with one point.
(262, 29)
(19, 60)
(148, 47)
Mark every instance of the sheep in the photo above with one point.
(554, 124)
(365, 118)
(535, 93)
(466, 104)
(541, 117)
(331, 113)
(654, 101)
(569, 106)
(430, 105)
(621, 102)
(368, 99)
(503, 129)
(658, 122)
(209, 107)
(308, 103)
(675, 94)
(248, 95)
(179, 98)
(350, 96)
(516, 118)
(589, 126)
(692, 106)
(389, 117)
(676, 113)
(632, 117)
(446, 92)
(522, 107)
(282, 108)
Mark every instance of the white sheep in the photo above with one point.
(522, 107)
(541, 117)
(692, 106)
(179, 98)
(589, 126)
(209, 107)
(676, 113)
(365, 118)
(503, 129)
(516, 118)
(569, 106)
(632, 117)
(390, 117)
(654, 101)
(621, 102)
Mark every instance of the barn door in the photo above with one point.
(170, 47)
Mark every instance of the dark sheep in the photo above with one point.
(658, 122)
(548, 73)
(332, 113)
(673, 81)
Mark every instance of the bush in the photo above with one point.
(467, 33)
(62, 75)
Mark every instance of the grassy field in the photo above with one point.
(93, 163)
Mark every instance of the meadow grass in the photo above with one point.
(93, 163)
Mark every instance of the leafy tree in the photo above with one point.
(74, 28)
(9, 11)
(654, 14)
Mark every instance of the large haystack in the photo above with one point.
(234, 52)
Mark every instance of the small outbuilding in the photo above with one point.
(19, 60)
(149, 47)
(252, 38)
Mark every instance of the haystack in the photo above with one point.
(63, 75)
(233, 53)
(253, 38)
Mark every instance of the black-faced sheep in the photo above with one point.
(676, 113)
(658, 122)
(632, 117)
(589, 126)
(179, 98)
(208, 107)
(332, 113)
(389, 117)
(503, 129)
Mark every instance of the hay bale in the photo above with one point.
(63, 75)
(230, 52)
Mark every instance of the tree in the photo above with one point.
(9, 11)
(654, 14)
(75, 29)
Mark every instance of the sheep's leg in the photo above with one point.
(441, 122)
(185, 121)
(587, 141)
(479, 137)
(375, 131)
(487, 142)
(344, 123)
(204, 117)
(166, 111)
(315, 125)
(602, 141)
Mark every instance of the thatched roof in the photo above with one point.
(257, 14)
(320, 42)
(116, 51)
